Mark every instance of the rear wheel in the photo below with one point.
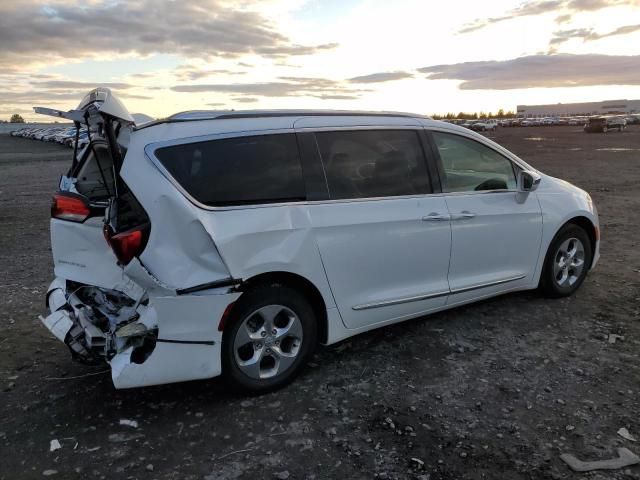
(567, 262)
(272, 333)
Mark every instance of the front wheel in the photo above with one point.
(567, 262)
(273, 331)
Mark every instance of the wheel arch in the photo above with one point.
(587, 225)
(304, 286)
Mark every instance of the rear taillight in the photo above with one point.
(127, 245)
(70, 206)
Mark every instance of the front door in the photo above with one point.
(496, 231)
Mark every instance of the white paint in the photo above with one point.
(58, 323)
(189, 318)
(357, 253)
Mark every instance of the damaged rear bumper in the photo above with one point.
(156, 339)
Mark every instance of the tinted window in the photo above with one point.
(240, 170)
(373, 163)
(469, 165)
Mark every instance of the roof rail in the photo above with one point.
(195, 115)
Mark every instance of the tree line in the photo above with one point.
(475, 116)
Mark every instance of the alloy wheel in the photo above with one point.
(569, 262)
(268, 341)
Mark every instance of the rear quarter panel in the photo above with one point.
(189, 245)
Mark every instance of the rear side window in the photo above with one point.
(239, 170)
(94, 173)
(373, 163)
(470, 166)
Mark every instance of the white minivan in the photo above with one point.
(234, 242)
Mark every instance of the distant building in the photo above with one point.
(588, 108)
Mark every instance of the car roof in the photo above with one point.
(202, 115)
(201, 124)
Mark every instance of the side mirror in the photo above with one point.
(528, 181)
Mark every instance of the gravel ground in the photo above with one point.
(495, 390)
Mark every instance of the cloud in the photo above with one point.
(65, 93)
(325, 96)
(35, 31)
(381, 77)
(142, 75)
(534, 7)
(282, 87)
(39, 97)
(67, 84)
(195, 72)
(535, 71)
(588, 34)
(565, 35)
(524, 10)
(245, 99)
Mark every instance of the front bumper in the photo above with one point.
(181, 338)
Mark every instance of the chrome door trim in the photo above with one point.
(488, 284)
(436, 217)
(465, 215)
(417, 298)
(396, 301)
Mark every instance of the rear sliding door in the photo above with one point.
(384, 237)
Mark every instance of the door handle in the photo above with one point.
(463, 215)
(436, 217)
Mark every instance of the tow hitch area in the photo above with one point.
(148, 340)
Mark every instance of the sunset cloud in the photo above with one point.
(381, 77)
(284, 87)
(32, 31)
(535, 71)
(535, 7)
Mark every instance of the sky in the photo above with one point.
(165, 56)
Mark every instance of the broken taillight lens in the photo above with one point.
(127, 245)
(70, 206)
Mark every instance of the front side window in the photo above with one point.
(373, 163)
(470, 166)
(239, 170)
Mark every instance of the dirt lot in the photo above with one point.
(496, 390)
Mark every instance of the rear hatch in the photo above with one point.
(97, 225)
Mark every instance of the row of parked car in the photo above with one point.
(63, 135)
(614, 121)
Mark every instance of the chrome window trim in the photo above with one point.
(150, 153)
(416, 298)
(151, 148)
(477, 192)
(339, 128)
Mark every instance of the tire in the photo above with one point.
(255, 359)
(562, 273)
